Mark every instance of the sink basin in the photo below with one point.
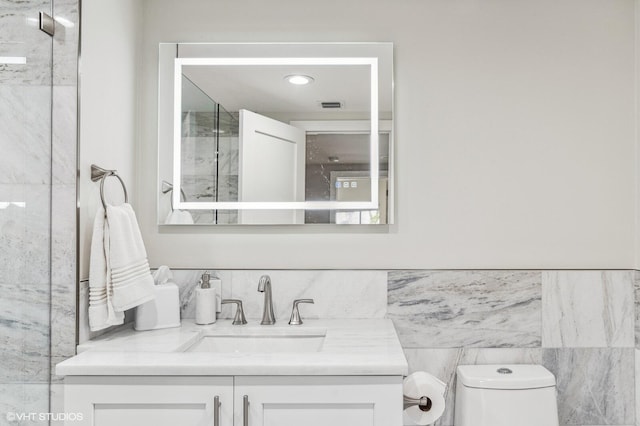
(260, 343)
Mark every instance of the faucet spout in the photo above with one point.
(264, 286)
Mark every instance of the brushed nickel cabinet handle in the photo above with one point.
(216, 411)
(245, 410)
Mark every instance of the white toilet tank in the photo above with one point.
(505, 395)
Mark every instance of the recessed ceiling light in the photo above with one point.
(334, 159)
(299, 79)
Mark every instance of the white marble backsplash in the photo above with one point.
(337, 294)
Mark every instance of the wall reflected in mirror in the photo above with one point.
(337, 168)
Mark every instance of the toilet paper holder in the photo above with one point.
(424, 403)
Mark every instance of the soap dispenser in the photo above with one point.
(206, 301)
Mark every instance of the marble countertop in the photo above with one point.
(351, 347)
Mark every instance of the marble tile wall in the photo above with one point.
(579, 324)
(447, 308)
(26, 178)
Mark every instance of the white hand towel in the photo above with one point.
(179, 217)
(127, 259)
(101, 312)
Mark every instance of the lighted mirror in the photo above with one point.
(260, 134)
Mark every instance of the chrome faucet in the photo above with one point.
(264, 286)
(295, 313)
(239, 319)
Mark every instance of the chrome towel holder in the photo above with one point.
(168, 187)
(100, 174)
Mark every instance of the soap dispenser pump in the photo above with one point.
(205, 280)
(206, 299)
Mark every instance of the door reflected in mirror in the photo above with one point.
(291, 138)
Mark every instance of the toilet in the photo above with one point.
(505, 395)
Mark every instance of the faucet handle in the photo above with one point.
(295, 313)
(239, 319)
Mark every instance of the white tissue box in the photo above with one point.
(162, 312)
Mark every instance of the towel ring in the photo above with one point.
(100, 174)
(168, 187)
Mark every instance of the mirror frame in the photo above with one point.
(367, 54)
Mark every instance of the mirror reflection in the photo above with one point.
(278, 143)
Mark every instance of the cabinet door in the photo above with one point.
(158, 401)
(318, 401)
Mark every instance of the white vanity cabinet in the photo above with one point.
(318, 401)
(155, 378)
(148, 400)
(244, 400)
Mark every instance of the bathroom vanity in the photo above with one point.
(340, 372)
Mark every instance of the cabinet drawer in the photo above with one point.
(158, 401)
(318, 401)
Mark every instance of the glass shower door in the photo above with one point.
(209, 157)
(25, 212)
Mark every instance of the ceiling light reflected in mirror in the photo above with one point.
(299, 80)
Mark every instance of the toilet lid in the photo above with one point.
(511, 376)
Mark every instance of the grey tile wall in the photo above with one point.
(580, 326)
(595, 386)
(590, 309)
(444, 309)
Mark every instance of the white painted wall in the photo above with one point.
(110, 43)
(514, 130)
